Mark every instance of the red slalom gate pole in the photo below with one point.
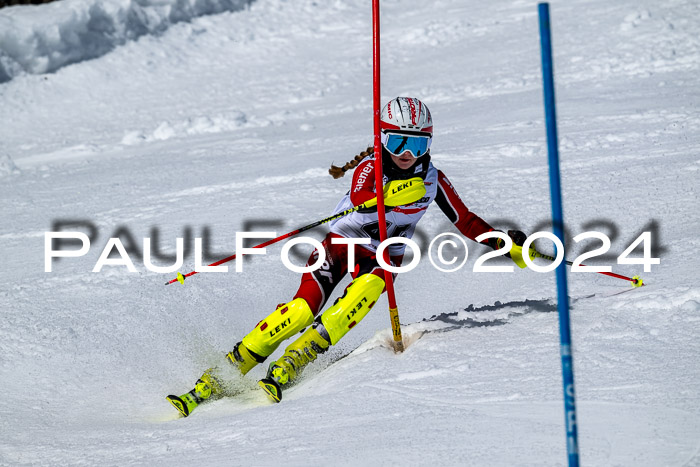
(379, 181)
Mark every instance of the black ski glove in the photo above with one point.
(517, 236)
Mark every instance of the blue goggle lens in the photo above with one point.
(398, 144)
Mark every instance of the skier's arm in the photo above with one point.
(362, 188)
(468, 223)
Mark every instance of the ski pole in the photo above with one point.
(636, 280)
(396, 193)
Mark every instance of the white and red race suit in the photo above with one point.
(401, 221)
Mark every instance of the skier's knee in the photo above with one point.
(359, 298)
(280, 325)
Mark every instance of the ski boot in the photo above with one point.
(243, 358)
(348, 310)
(300, 353)
(207, 386)
(280, 325)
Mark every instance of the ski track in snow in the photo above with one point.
(231, 119)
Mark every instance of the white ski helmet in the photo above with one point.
(406, 114)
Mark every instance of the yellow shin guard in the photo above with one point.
(280, 325)
(335, 322)
(359, 298)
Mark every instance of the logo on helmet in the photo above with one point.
(389, 111)
(413, 111)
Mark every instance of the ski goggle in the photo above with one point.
(397, 144)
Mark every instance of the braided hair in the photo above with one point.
(338, 172)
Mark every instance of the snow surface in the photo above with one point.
(229, 120)
(78, 30)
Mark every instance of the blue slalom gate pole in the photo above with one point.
(567, 364)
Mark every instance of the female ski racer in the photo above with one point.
(406, 134)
